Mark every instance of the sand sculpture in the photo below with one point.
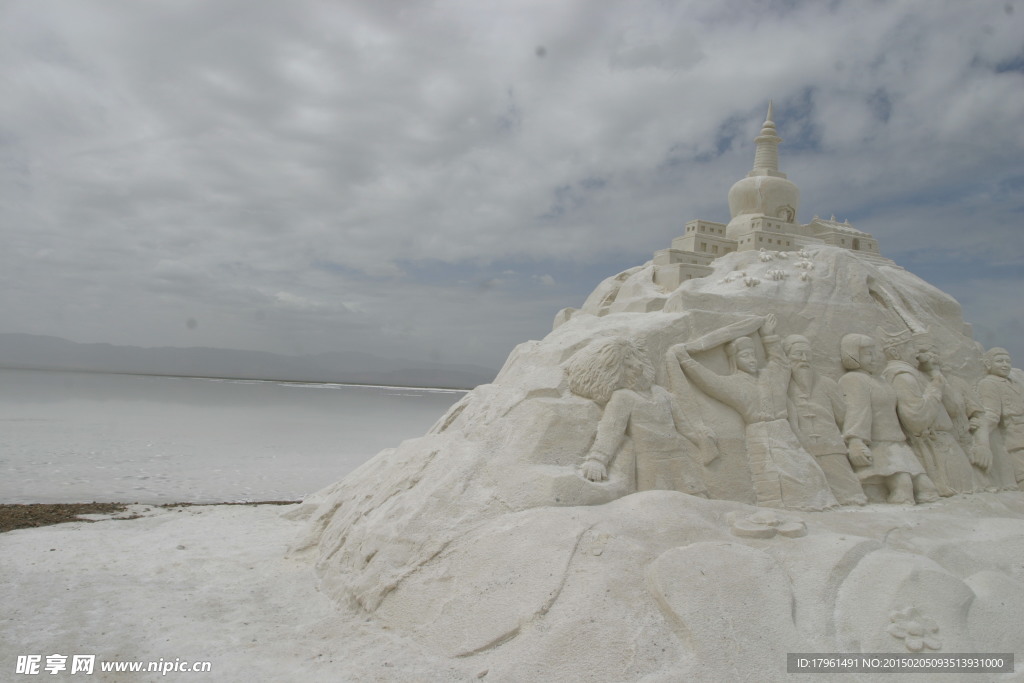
(1002, 399)
(872, 426)
(688, 459)
(783, 474)
(920, 389)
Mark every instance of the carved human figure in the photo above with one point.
(783, 473)
(816, 412)
(1003, 401)
(914, 373)
(616, 373)
(878, 448)
(964, 409)
(968, 417)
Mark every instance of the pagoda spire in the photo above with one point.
(766, 158)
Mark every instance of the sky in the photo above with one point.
(436, 180)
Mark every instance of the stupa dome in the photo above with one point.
(764, 194)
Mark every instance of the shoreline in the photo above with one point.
(218, 378)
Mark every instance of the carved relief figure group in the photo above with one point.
(894, 428)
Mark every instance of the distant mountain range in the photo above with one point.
(38, 352)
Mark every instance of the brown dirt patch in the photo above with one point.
(43, 514)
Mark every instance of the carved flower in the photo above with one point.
(732, 276)
(916, 631)
(776, 274)
(751, 281)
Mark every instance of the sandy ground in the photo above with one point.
(190, 584)
(214, 583)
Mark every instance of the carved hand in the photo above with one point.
(981, 455)
(768, 326)
(594, 470)
(860, 454)
(708, 445)
(680, 352)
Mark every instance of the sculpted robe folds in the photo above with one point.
(930, 429)
(1003, 400)
(961, 404)
(784, 474)
(871, 417)
(816, 409)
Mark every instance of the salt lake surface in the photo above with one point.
(80, 437)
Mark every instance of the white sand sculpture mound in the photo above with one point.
(673, 481)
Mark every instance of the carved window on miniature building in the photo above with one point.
(714, 248)
(856, 244)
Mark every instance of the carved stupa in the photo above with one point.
(765, 191)
(763, 208)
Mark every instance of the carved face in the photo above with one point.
(800, 355)
(871, 359)
(1000, 365)
(633, 377)
(926, 357)
(746, 360)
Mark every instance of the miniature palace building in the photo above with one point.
(763, 207)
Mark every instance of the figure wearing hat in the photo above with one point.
(913, 371)
(816, 412)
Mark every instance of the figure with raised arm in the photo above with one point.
(783, 473)
(669, 452)
(878, 446)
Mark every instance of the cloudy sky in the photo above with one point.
(435, 180)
